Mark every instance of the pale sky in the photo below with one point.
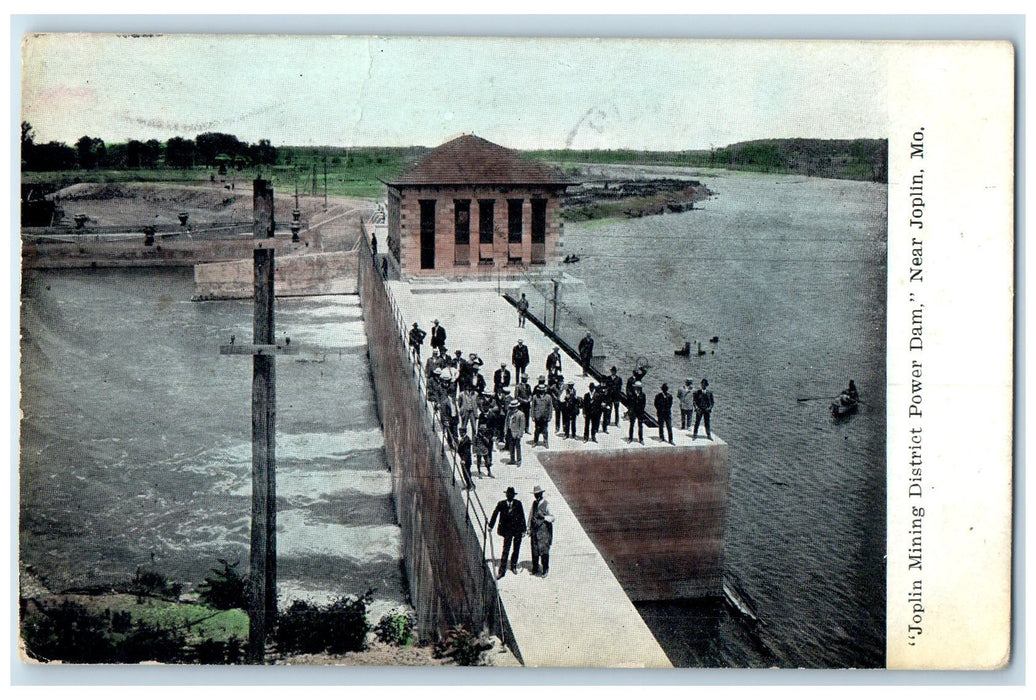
(396, 91)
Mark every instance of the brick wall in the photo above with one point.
(408, 211)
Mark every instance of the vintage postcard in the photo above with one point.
(542, 352)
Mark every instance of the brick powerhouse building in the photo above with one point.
(471, 206)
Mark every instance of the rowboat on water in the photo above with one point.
(844, 405)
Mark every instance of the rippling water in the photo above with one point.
(790, 274)
(136, 437)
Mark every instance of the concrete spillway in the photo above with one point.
(632, 521)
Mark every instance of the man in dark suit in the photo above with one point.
(416, 341)
(586, 352)
(664, 411)
(501, 378)
(703, 403)
(438, 336)
(512, 527)
(636, 402)
(519, 358)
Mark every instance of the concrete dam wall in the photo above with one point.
(294, 275)
(448, 578)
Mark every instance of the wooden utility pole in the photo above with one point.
(262, 588)
(554, 324)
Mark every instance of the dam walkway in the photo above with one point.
(579, 614)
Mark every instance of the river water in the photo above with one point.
(790, 274)
(134, 445)
(136, 438)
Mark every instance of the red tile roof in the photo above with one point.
(470, 160)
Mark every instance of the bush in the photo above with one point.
(151, 584)
(225, 589)
(396, 628)
(71, 633)
(337, 628)
(462, 645)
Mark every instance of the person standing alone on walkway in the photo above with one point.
(523, 310)
(664, 411)
(703, 403)
(541, 532)
(416, 341)
(512, 527)
(586, 352)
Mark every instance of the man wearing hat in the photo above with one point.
(664, 411)
(416, 341)
(519, 358)
(523, 310)
(501, 378)
(464, 453)
(438, 336)
(542, 407)
(523, 392)
(554, 361)
(586, 352)
(467, 408)
(685, 395)
(613, 399)
(512, 527)
(591, 413)
(569, 409)
(703, 403)
(637, 402)
(478, 382)
(541, 532)
(515, 431)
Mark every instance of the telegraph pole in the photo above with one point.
(262, 585)
(554, 325)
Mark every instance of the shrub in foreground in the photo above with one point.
(396, 628)
(305, 628)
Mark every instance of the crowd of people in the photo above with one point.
(479, 420)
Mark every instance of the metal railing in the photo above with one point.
(474, 509)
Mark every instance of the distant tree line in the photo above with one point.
(211, 149)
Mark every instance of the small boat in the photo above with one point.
(843, 406)
(571, 259)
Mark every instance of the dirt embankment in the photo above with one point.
(144, 204)
(217, 226)
(599, 199)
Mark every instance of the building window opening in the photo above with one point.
(514, 230)
(485, 231)
(538, 231)
(427, 234)
(461, 231)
